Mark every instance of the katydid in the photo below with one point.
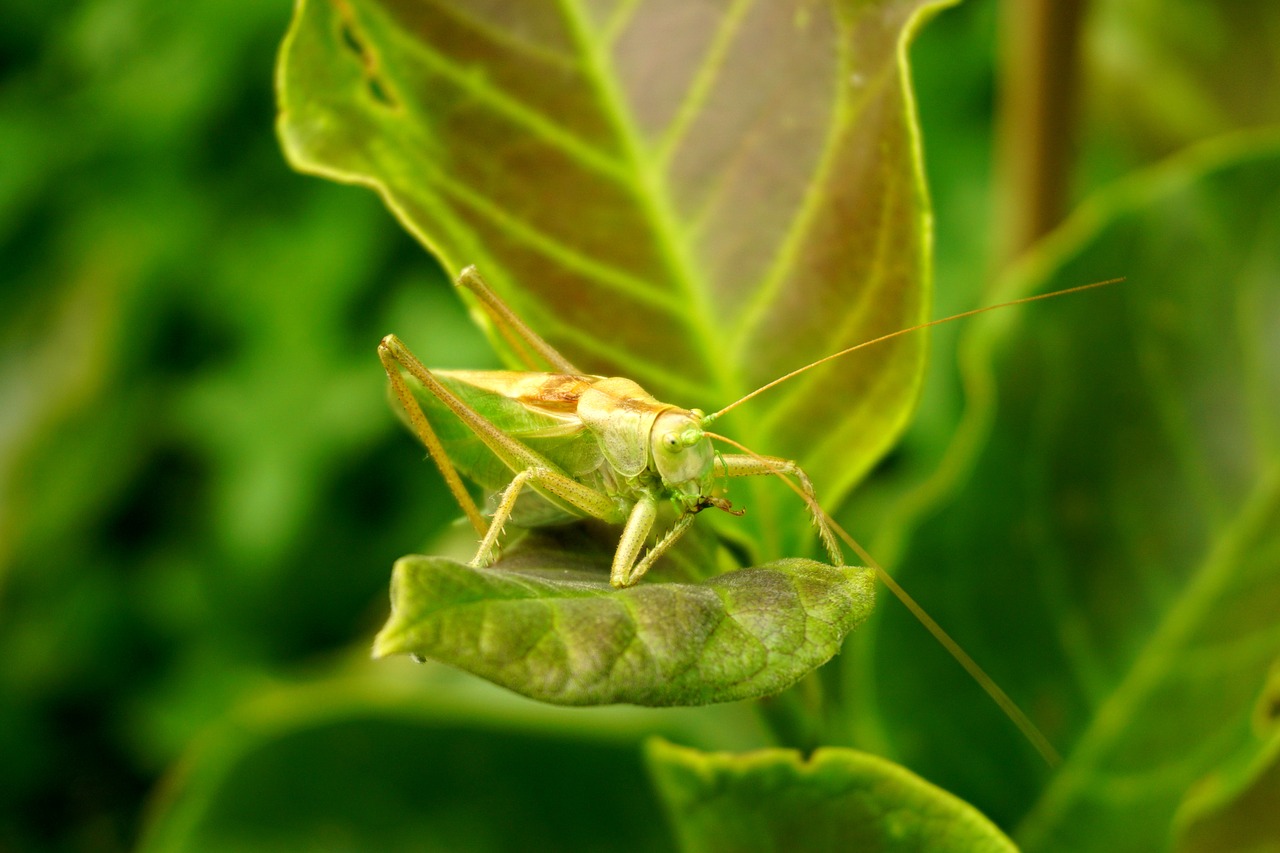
(557, 446)
(570, 445)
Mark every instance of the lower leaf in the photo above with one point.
(838, 799)
(563, 635)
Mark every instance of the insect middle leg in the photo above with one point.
(743, 465)
(584, 498)
(628, 565)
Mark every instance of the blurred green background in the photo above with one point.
(202, 488)
(201, 485)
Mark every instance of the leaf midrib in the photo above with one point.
(656, 204)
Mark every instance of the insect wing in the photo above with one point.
(534, 408)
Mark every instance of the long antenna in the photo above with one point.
(986, 682)
(907, 331)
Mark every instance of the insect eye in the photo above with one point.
(671, 440)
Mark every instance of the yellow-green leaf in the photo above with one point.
(836, 799)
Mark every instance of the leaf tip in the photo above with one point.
(383, 646)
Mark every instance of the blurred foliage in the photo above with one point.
(200, 482)
(1160, 76)
(1233, 808)
(1116, 499)
(408, 757)
(202, 489)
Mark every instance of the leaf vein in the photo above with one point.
(1213, 573)
(845, 114)
(610, 277)
(654, 202)
(504, 38)
(536, 123)
(703, 81)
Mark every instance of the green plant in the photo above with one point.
(203, 489)
(738, 202)
(700, 201)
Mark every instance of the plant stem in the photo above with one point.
(1035, 145)
(794, 715)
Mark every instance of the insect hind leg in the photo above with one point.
(392, 358)
(586, 500)
(516, 456)
(743, 465)
(517, 333)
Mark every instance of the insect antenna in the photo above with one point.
(986, 682)
(736, 403)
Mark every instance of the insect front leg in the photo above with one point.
(742, 465)
(628, 566)
(584, 498)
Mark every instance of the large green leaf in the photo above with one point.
(697, 196)
(546, 624)
(837, 799)
(1113, 548)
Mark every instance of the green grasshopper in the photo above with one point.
(555, 447)
(560, 446)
